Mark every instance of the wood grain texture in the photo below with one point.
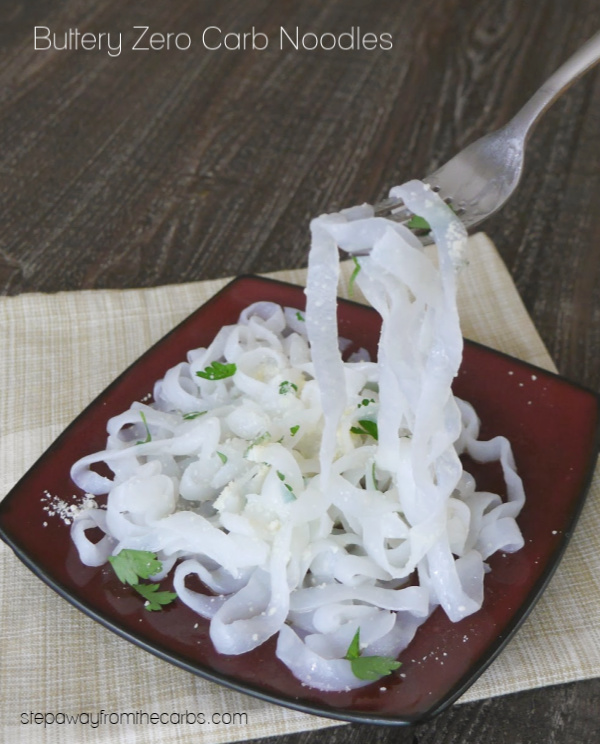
(163, 167)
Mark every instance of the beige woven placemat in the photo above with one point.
(58, 352)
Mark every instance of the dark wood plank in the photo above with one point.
(164, 167)
(564, 714)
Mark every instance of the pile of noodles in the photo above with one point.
(307, 492)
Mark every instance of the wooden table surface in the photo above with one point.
(149, 167)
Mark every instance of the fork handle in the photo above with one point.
(578, 64)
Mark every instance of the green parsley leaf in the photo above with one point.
(222, 457)
(260, 439)
(374, 476)
(365, 402)
(193, 415)
(369, 667)
(299, 316)
(286, 387)
(217, 371)
(353, 651)
(281, 477)
(132, 565)
(294, 429)
(418, 223)
(353, 276)
(154, 599)
(370, 427)
(148, 435)
(367, 428)
(373, 667)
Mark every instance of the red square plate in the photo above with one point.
(553, 426)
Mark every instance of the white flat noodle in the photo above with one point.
(270, 487)
(203, 604)
(314, 670)
(321, 325)
(90, 553)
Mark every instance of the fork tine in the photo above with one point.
(387, 205)
(392, 209)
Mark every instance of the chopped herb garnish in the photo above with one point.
(418, 223)
(266, 437)
(286, 387)
(217, 371)
(222, 457)
(369, 667)
(133, 565)
(365, 402)
(353, 276)
(148, 435)
(193, 415)
(299, 316)
(154, 599)
(367, 427)
(294, 429)
(281, 477)
(373, 476)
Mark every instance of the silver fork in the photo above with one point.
(482, 177)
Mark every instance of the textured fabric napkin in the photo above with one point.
(59, 352)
